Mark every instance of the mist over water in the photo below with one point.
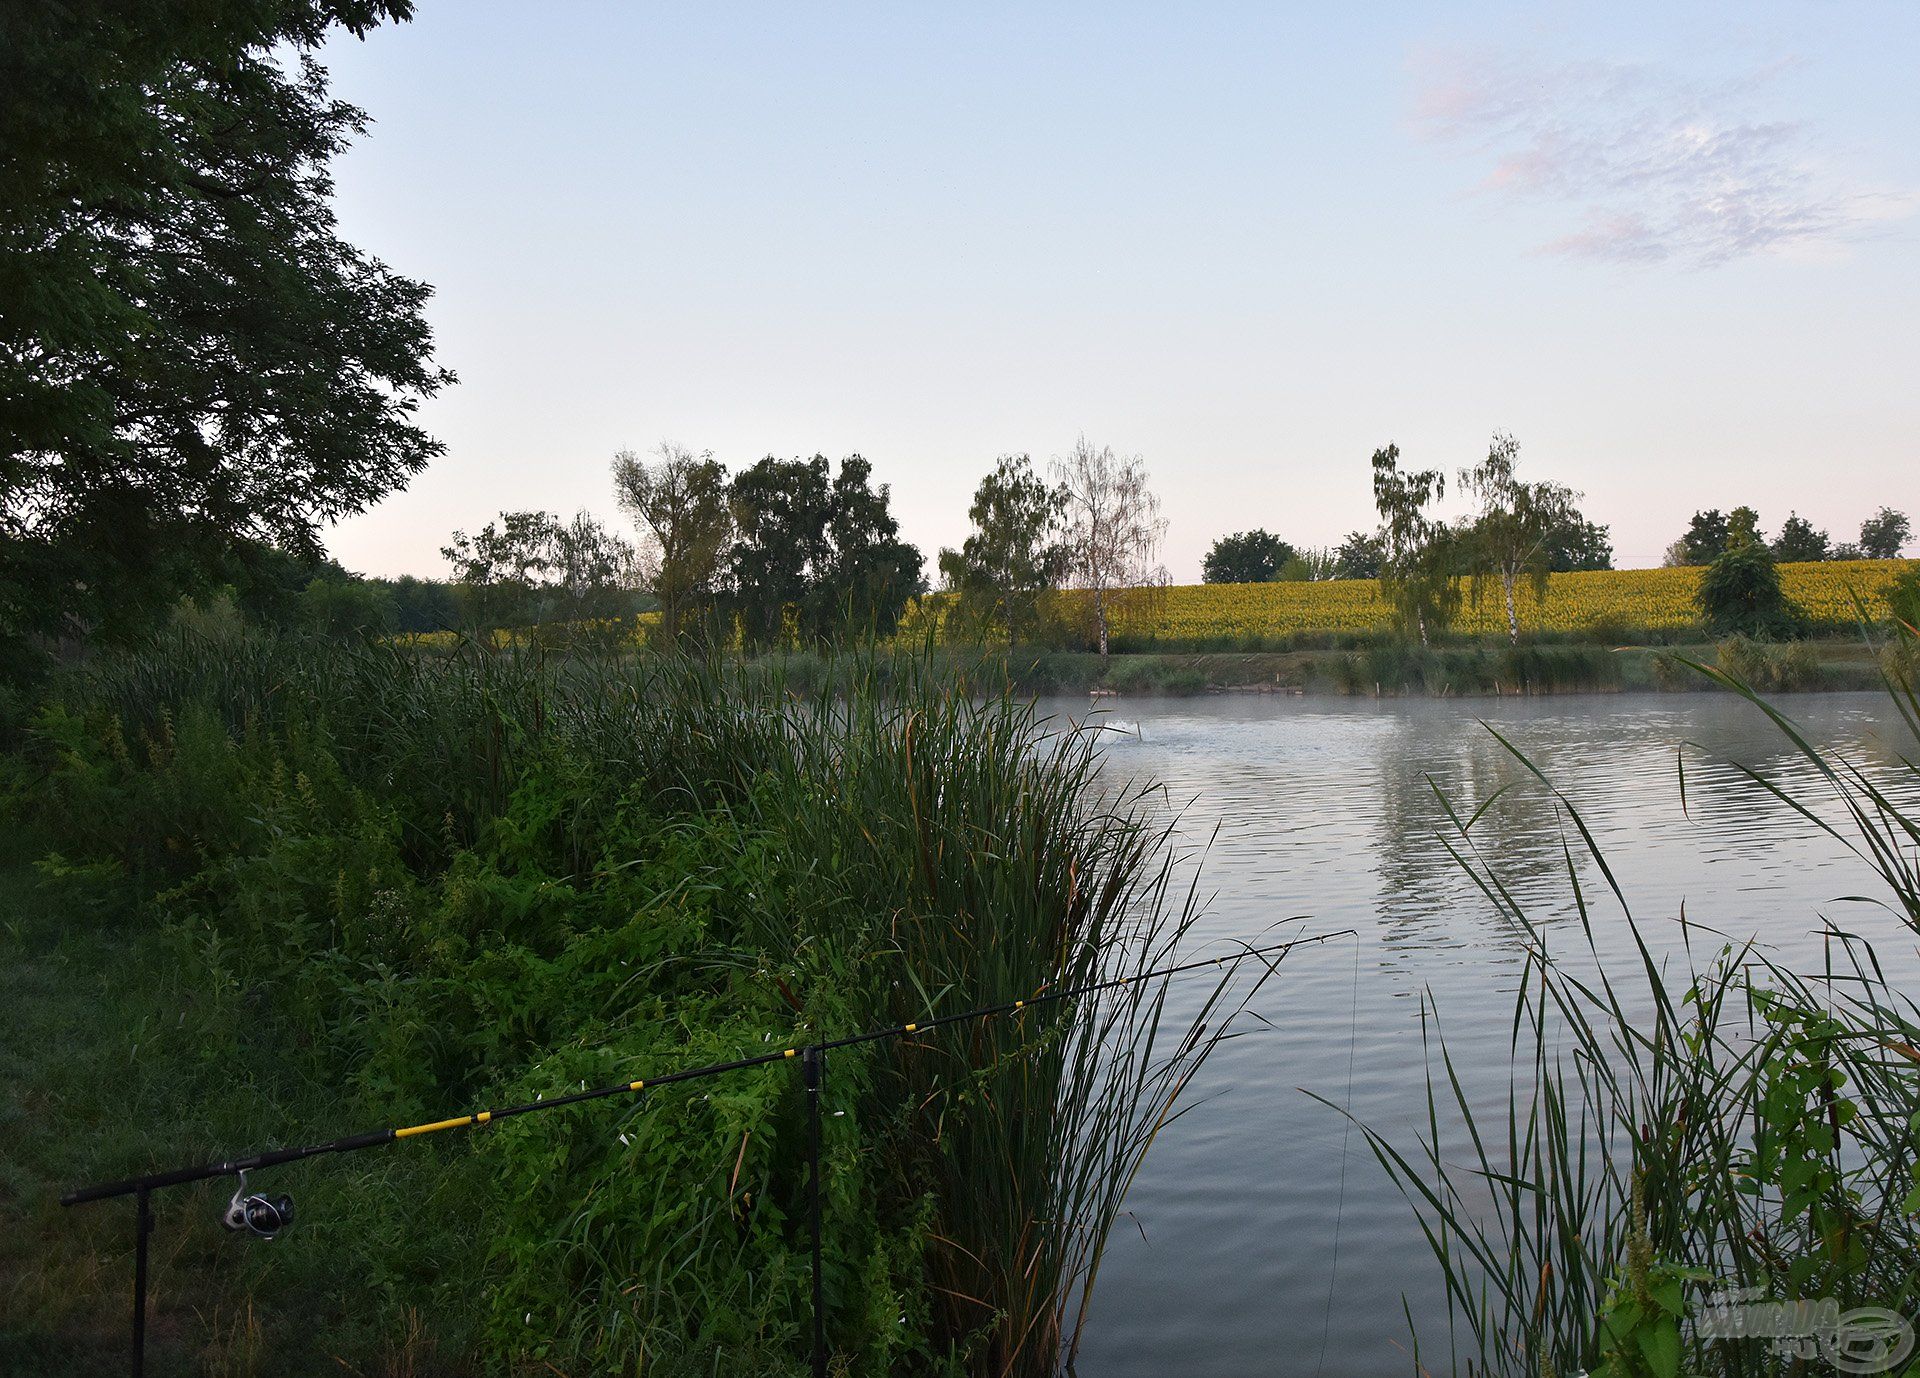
(1263, 1238)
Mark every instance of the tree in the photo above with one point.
(1316, 563)
(1799, 542)
(681, 506)
(1882, 534)
(1743, 528)
(1359, 556)
(190, 355)
(423, 605)
(340, 605)
(870, 574)
(780, 512)
(1706, 537)
(1014, 553)
(1111, 529)
(1511, 538)
(531, 567)
(1246, 557)
(1578, 544)
(821, 550)
(593, 572)
(502, 564)
(1740, 591)
(1416, 566)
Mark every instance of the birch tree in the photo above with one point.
(1416, 568)
(1512, 537)
(1111, 529)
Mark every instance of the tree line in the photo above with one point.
(1708, 533)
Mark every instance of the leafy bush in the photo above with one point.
(1741, 592)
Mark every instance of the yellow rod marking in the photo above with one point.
(483, 1117)
(433, 1128)
(911, 1027)
(635, 1085)
(1019, 1004)
(791, 1052)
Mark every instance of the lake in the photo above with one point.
(1262, 1237)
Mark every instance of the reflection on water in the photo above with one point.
(1267, 1239)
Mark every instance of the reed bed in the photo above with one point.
(502, 872)
(1723, 1132)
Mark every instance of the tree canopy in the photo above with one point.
(190, 355)
(1883, 534)
(1013, 554)
(1799, 541)
(1514, 533)
(819, 549)
(1417, 549)
(1246, 557)
(680, 504)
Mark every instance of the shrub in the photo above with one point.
(1741, 592)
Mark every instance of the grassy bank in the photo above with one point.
(1387, 666)
(264, 892)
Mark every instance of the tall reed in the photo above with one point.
(638, 862)
(1670, 1135)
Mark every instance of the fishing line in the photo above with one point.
(1346, 1130)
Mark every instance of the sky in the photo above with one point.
(1673, 249)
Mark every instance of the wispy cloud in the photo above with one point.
(1654, 167)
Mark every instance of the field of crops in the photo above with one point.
(1609, 602)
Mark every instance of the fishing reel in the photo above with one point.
(264, 1216)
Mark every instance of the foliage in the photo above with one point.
(1882, 534)
(1741, 590)
(1013, 555)
(190, 354)
(1359, 556)
(1511, 537)
(1578, 544)
(870, 574)
(816, 556)
(1246, 557)
(1704, 538)
(532, 567)
(460, 880)
(680, 505)
(1418, 551)
(1111, 530)
(1799, 541)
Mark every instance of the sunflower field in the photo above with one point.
(1611, 604)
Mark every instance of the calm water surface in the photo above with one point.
(1265, 1240)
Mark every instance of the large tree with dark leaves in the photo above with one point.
(191, 359)
(870, 573)
(817, 556)
(780, 512)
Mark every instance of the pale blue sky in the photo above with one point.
(1674, 249)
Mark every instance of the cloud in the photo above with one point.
(1655, 168)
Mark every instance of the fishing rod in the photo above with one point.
(266, 1216)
